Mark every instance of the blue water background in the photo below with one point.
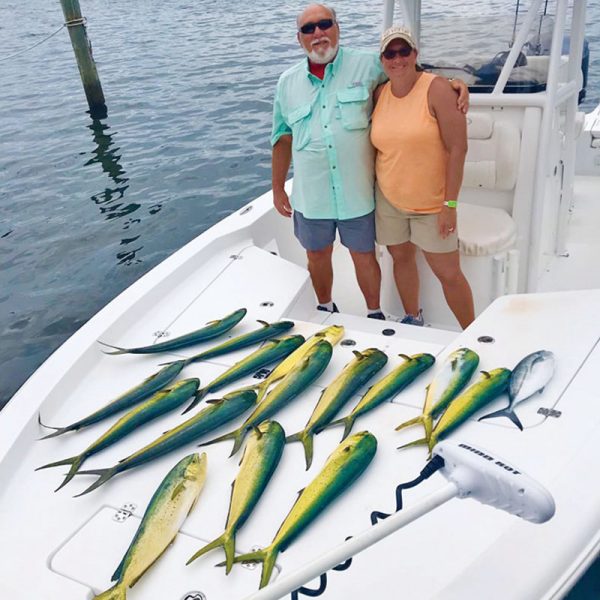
(88, 207)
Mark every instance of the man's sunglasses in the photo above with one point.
(391, 54)
(323, 25)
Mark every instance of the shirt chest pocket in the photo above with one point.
(353, 104)
(299, 121)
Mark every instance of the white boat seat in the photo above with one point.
(493, 157)
(484, 231)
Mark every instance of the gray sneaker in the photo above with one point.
(410, 320)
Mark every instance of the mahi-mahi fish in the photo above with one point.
(487, 388)
(387, 388)
(343, 467)
(292, 385)
(157, 405)
(261, 457)
(170, 505)
(452, 377)
(354, 375)
(272, 351)
(128, 399)
(217, 413)
(212, 330)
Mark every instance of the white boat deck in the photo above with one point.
(579, 267)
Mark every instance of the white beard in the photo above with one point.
(324, 57)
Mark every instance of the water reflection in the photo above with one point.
(111, 201)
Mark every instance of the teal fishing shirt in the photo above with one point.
(329, 121)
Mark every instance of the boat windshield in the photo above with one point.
(475, 49)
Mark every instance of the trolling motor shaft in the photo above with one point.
(471, 473)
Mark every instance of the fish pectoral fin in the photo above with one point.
(358, 354)
(485, 374)
(263, 323)
(405, 356)
(180, 487)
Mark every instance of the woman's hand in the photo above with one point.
(460, 87)
(446, 222)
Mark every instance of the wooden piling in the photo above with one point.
(85, 61)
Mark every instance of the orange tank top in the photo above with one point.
(410, 165)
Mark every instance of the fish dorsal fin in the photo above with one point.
(485, 374)
(300, 493)
(358, 354)
(178, 489)
(263, 323)
(405, 356)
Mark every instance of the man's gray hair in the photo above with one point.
(325, 6)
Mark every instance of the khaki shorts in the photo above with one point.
(396, 226)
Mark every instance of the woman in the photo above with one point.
(421, 142)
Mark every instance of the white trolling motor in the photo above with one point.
(471, 473)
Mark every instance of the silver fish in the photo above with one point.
(531, 375)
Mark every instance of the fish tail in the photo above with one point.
(117, 592)
(410, 422)
(428, 425)
(348, 422)
(239, 440)
(105, 475)
(504, 412)
(267, 556)
(237, 435)
(421, 442)
(116, 349)
(74, 461)
(307, 442)
(227, 542)
(57, 430)
(197, 398)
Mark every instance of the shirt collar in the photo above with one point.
(333, 67)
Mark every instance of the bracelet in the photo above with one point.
(451, 203)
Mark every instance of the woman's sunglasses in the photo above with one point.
(391, 54)
(323, 25)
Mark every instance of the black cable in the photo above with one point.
(435, 464)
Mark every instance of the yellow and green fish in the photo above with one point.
(164, 516)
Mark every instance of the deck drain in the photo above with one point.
(388, 332)
(267, 303)
(348, 343)
(486, 339)
(194, 596)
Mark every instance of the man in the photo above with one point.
(321, 119)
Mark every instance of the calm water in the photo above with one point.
(87, 207)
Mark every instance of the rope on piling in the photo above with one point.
(73, 23)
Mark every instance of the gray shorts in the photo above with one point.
(358, 234)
